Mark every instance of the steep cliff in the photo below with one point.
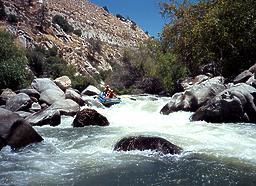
(93, 44)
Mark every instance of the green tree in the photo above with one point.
(221, 33)
(13, 63)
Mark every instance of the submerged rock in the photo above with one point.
(235, 104)
(15, 131)
(194, 97)
(147, 143)
(89, 117)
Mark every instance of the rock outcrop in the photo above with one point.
(147, 143)
(195, 96)
(235, 104)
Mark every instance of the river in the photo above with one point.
(214, 154)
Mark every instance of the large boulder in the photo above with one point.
(194, 97)
(147, 143)
(235, 104)
(47, 116)
(63, 82)
(91, 91)
(51, 95)
(19, 102)
(66, 107)
(30, 92)
(87, 117)
(43, 84)
(243, 77)
(191, 81)
(15, 131)
(72, 94)
(5, 95)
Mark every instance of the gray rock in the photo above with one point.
(5, 95)
(63, 82)
(15, 131)
(49, 96)
(91, 91)
(87, 117)
(47, 116)
(23, 114)
(43, 84)
(66, 107)
(191, 81)
(19, 102)
(243, 77)
(194, 97)
(72, 94)
(30, 92)
(35, 107)
(147, 143)
(235, 104)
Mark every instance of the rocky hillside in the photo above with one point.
(95, 41)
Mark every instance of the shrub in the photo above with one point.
(95, 46)
(13, 73)
(105, 8)
(63, 23)
(78, 32)
(12, 19)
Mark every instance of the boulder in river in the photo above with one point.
(91, 91)
(147, 143)
(72, 94)
(235, 104)
(191, 81)
(194, 97)
(47, 116)
(87, 117)
(19, 102)
(66, 107)
(51, 95)
(15, 131)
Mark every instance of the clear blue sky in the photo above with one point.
(146, 13)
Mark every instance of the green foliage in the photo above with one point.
(12, 19)
(78, 32)
(13, 73)
(221, 33)
(95, 46)
(63, 23)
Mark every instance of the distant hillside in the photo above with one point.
(86, 35)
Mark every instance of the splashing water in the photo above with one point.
(214, 154)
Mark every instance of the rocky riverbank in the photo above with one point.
(214, 100)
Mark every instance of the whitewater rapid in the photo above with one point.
(213, 153)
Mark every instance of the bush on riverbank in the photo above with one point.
(13, 73)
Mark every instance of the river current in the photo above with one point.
(214, 154)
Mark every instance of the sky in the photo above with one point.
(146, 13)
